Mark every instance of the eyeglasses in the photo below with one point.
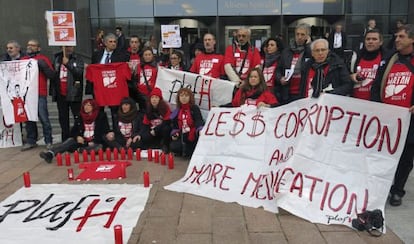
(241, 35)
(173, 58)
(320, 50)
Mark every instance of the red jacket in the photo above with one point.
(46, 71)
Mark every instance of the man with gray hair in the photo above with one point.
(288, 77)
(241, 57)
(394, 84)
(13, 51)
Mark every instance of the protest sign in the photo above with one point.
(208, 92)
(53, 213)
(19, 90)
(170, 36)
(61, 29)
(324, 159)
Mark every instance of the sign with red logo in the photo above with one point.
(61, 28)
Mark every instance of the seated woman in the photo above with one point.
(156, 128)
(186, 124)
(87, 134)
(254, 91)
(126, 132)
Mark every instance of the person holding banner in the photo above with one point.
(325, 72)
(67, 89)
(186, 124)
(46, 72)
(254, 92)
(240, 58)
(156, 125)
(147, 72)
(87, 134)
(394, 84)
(209, 63)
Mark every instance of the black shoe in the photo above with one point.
(47, 156)
(395, 200)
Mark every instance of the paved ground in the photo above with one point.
(171, 217)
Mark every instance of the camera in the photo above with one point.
(369, 220)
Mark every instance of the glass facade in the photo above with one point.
(144, 17)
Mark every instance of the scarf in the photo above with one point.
(129, 116)
(88, 118)
(186, 122)
(297, 49)
(270, 58)
(318, 79)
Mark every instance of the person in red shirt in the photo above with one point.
(365, 64)
(147, 72)
(254, 92)
(394, 84)
(209, 63)
(240, 58)
(273, 48)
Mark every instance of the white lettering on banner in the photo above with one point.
(85, 213)
(323, 159)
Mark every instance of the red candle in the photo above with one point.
(123, 171)
(76, 156)
(138, 154)
(156, 156)
(123, 153)
(70, 174)
(26, 179)
(85, 156)
(170, 161)
(67, 159)
(59, 159)
(149, 152)
(162, 158)
(108, 154)
(100, 153)
(129, 153)
(115, 153)
(93, 156)
(146, 179)
(118, 234)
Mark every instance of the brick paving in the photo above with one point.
(178, 218)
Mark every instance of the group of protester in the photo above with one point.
(270, 77)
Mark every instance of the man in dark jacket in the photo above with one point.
(288, 73)
(13, 51)
(67, 87)
(325, 72)
(337, 41)
(398, 71)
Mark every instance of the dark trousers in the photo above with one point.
(182, 146)
(114, 115)
(405, 165)
(63, 111)
(160, 140)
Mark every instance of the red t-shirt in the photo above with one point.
(269, 74)
(150, 73)
(398, 88)
(63, 76)
(19, 110)
(294, 87)
(110, 82)
(266, 97)
(368, 71)
(209, 64)
(235, 57)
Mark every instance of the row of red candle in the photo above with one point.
(152, 156)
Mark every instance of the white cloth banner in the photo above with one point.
(208, 91)
(324, 160)
(71, 213)
(10, 135)
(19, 90)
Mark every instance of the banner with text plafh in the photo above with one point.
(324, 159)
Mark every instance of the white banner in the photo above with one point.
(19, 90)
(10, 135)
(324, 159)
(61, 28)
(208, 92)
(71, 213)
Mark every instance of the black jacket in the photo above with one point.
(331, 39)
(337, 75)
(75, 68)
(101, 128)
(195, 113)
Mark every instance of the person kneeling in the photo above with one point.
(87, 133)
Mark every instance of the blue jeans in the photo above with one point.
(31, 126)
